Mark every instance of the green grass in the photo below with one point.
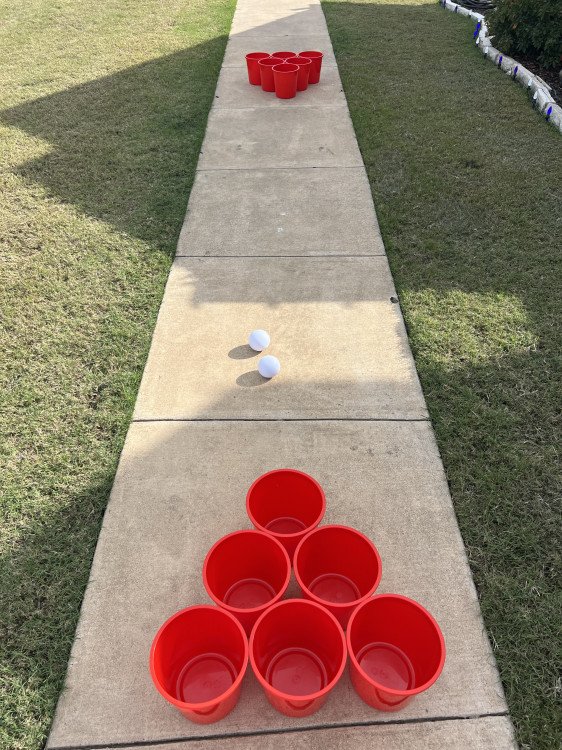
(467, 181)
(103, 109)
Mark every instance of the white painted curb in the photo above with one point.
(542, 100)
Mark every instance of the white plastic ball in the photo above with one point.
(259, 340)
(269, 366)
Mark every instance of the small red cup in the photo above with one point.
(316, 60)
(266, 65)
(252, 59)
(246, 572)
(338, 567)
(285, 79)
(298, 654)
(286, 504)
(197, 662)
(304, 64)
(284, 55)
(396, 651)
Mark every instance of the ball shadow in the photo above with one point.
(251, 379)
(242, 352)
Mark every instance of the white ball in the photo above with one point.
(269, 366)
(259, 340)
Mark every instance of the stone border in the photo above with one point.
(542, 100)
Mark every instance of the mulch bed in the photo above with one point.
(549, 76)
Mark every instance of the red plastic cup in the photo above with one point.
(298, 653)
(316, 60)
(286, 504)
(252, 59)
(266, 65)
(304, 64)
(245, 572)
(284, 55)
(338, 567)
(396, 650)
(197, 662)
(285, 79)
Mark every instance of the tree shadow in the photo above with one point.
(466, 179)
(40, 596)
(112, 140)
(170, 503)
(39, 621)
(464, 174)
(116, 138)
(125, 147)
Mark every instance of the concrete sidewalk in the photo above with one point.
(281, 234)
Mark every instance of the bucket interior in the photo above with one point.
(199, 655)
(286, 502)
(337, 565)
(395, 643)
(298, 648)
(247, 570)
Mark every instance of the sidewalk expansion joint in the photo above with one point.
(343, 105)
(265, 169)
(318, 255)
(316, 33)
(280, 419)
(251, 107)
(285, 730)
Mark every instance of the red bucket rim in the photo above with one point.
(416, 605)
(294, 534)
(290, 696)
(293, 68)
(323, 602)
(271, 61)
(198, 707)
(249, 610)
